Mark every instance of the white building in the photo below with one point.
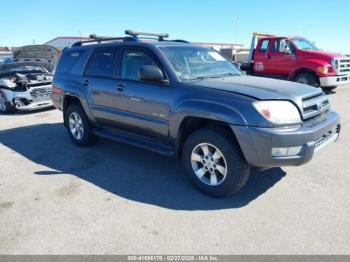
(61, 42)
(227, 49)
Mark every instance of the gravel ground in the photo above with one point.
(112, 198)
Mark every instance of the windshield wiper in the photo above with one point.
(229, 74)
(214, 76)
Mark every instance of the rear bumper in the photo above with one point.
(334, 80)
(257, 143)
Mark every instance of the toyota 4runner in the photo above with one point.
(189, 102)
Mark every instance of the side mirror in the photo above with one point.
(151, 73)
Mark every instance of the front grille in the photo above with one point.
(344, 66)
(315, 105)
(40, 94)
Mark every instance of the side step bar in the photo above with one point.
(135, 140)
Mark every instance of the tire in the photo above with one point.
(76, 119)
(308, 79)
(5, 106)
(328, 88)
(218, 140)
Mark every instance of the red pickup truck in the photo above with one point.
(296, 59)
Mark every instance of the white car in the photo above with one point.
(25, 84)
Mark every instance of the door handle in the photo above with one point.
(120, 87)
(86, 82)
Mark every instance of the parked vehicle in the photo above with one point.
(6, 58)
(189, 102)
(25, 84)
(45, 54)
(296, 59)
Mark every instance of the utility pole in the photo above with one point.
(237, 22)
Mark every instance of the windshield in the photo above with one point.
(304, 44)
(193, 63)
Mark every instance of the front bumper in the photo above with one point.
(257, 143)
(330, 81)
(33, 99)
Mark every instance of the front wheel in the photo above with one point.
(307, 78)
(5, 106)
(78, 126)
(328, 88)
(214, 162)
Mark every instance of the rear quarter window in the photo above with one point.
(264, 45)
(68, 61)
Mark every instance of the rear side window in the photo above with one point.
(102, 63)
(264, 45)
(68, 61)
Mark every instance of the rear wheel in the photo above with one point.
(5, 106)
(78, 126)
(214, 162)
(307, 78)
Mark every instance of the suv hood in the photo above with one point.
(44, 54)
(261, 88)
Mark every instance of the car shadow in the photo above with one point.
(125, 171)
(29, 112)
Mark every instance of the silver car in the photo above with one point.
(25, 84)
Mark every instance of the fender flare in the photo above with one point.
(83, 102)
(307, 65)
(206, 110)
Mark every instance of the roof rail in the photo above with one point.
(133, 33)
(179, 41)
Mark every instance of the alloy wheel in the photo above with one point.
(76, 126)
(209, 164)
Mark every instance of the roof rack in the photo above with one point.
(136, 34)
(100, 39)
(133, 36)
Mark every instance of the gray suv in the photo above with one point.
(189, 102)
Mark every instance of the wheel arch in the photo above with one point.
(190, 124)
(306, 70)
(69, 99)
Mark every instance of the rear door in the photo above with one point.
(261, 61)
(100, 78)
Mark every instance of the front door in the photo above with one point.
(281, 57)
(145, 104)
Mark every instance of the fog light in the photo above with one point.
(18, 102)
(286, 151)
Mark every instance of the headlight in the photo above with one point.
(335, 64)
(278, 112)
(324, 69)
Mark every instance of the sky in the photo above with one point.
(326, 22)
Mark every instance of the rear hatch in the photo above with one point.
(44, 54)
